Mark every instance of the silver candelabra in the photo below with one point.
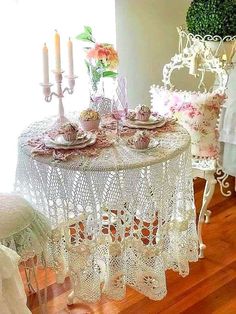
(59, 93)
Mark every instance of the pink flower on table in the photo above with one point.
(104, 53)
(101, 62)
(98, 52)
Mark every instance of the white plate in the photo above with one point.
(51, 144)
(153, 143)
(59, 140)
(148, 127)
(152, 120)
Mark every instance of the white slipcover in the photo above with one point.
(12, 294)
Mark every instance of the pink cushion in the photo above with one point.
(197, 112)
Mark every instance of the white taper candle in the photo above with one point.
(45, 65)
(57, 53)
(70, 59)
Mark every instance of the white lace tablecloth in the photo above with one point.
(121, 218)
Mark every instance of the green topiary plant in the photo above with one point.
(212, 17)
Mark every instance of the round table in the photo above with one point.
(121, 218)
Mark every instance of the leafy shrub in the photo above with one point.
(212, 17)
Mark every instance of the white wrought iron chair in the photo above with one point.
(225, 49)
(199, 113)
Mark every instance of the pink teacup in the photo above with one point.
(144, 116)
(89, 125)
(142, 143)
(70, 136)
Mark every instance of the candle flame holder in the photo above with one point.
(48, 94)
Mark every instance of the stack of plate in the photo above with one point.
(84, 140)
(152, 123)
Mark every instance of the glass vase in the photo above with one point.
(98, 99)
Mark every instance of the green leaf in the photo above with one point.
(88, 30)
(109, 74)
(84, 37)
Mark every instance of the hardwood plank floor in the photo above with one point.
(209, 288)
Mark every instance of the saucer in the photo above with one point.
(151, 121)
(59, 140)
(61, 143)
(152, 144)
(134, 125)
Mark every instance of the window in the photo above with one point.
(24, 27)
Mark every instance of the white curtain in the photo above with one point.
(24, 27)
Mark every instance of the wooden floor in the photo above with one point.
(209, 288)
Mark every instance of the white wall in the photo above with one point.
(24, 27)
(146, 40)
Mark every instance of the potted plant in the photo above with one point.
(214, 21)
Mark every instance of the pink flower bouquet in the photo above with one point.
(101, 58)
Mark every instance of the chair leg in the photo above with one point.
(30, 267)
(207, 196)
(28, 275)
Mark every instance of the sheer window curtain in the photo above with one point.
(24, 27)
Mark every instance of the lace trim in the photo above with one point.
(31, 240)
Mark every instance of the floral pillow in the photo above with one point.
(197, 112)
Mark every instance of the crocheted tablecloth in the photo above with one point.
(122, 217)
